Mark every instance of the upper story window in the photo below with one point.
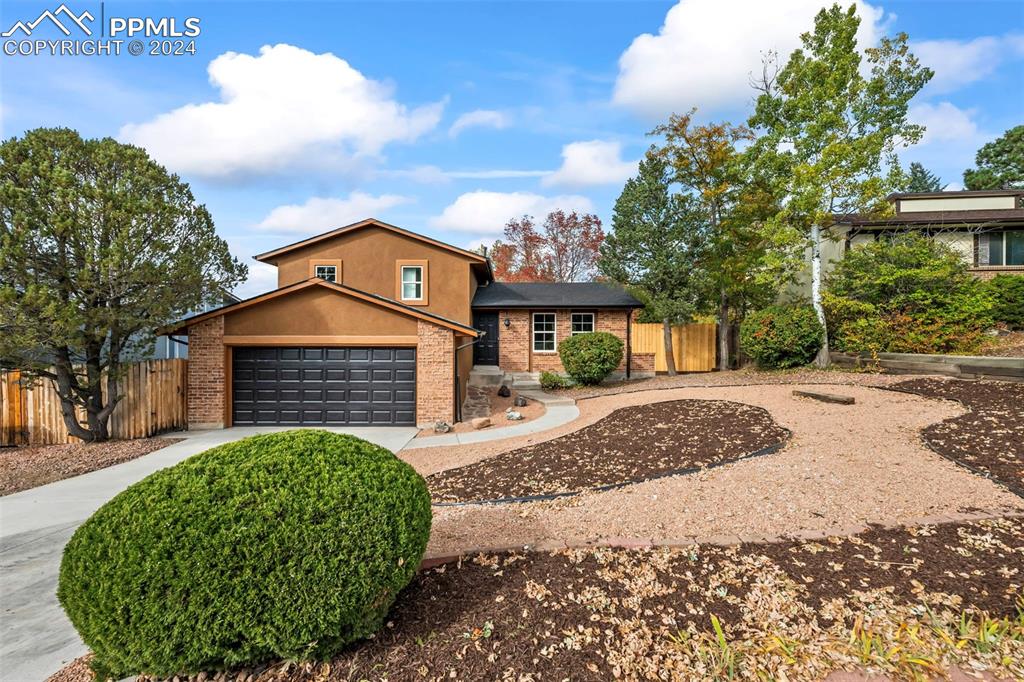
(544, 332)
(328, 272)
(582, 323)
(1001, 248)
(412, 282)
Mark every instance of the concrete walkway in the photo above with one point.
(36, 638)
(559, 410)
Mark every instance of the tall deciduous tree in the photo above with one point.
(730, 207)
(99, 246)
(833, 131)
(565, 249)
(654, 247)
(1000, 163)
(920, 179)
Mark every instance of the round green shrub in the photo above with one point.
(781, 336)
(550, 381)
(589, 358)
(1008, 294)
(288, 545)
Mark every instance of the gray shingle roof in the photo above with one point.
(553, 295)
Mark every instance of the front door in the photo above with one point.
(485, 351)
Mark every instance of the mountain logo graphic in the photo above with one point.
(77, 20)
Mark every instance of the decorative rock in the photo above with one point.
(442, 427)
(504, 391)
(520, 401)
(481, 422)
(825, 397)
(513, 415)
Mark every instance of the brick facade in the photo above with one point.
(435, 374)
(515, 346)
(991, 271)
(206, 374)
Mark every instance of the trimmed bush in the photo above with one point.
(589, 358)
(550, 381)
(289, 545)
(781, 336)
(1008, 294)
(909, 294)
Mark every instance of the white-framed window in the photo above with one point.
(582, 323)
(412, 282)
(1001, 248)
(328, 272)
(544, 333)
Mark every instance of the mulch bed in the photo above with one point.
(990, 438)
(631, 444)
(887, 600)
(27, 467)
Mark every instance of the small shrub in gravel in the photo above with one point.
(1008, 292)
(589, 358)
(550, 381)
(282, 546)
(782, 336)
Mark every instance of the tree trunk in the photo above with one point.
(723, 331)
(822, 359)
(670, 360)
(65, 390)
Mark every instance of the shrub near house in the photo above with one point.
(282, 546)
(589, 358)
(909, 294)
(781, 336)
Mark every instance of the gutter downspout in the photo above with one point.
(455, 374)
(629, 340)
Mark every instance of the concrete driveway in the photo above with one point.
(36, 638)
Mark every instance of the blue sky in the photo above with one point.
(451, 118)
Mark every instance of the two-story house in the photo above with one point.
(375, 324)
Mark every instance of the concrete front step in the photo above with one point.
(485, 376)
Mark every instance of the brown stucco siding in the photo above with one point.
(369, 262)
(318, 311)
(435, 374)
(206, 374)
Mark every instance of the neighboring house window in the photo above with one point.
(412, 282)
(544, 332)
(582, 323)
(1001, 248)
(328, 272)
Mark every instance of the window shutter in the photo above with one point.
(983, 249)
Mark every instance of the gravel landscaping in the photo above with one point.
(844, 466)
(629, 445)
(886, 600)
(27, 467)
(988, 439)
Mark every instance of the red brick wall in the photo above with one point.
(516, 352)
(435, 374)
(990, 272)
(206, 374)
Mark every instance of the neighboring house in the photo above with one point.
(374, 324)
(985, 226)
(169, 347)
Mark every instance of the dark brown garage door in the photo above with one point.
(291, 386)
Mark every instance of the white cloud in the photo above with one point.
(958, 63)
(595, 162)
(481, 118)
(944, 122)
(285, 107)
(706, 51)
(319, 214)
(487, 212)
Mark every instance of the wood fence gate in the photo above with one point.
(154, 401)
(693, 345)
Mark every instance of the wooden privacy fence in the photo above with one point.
(693, 345)
(154, 401)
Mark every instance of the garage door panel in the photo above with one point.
(298, 386)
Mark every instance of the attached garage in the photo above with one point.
(283, 386)
(319, 353)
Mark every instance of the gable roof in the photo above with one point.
(271, 256)
(375, 299)
(553, 295)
